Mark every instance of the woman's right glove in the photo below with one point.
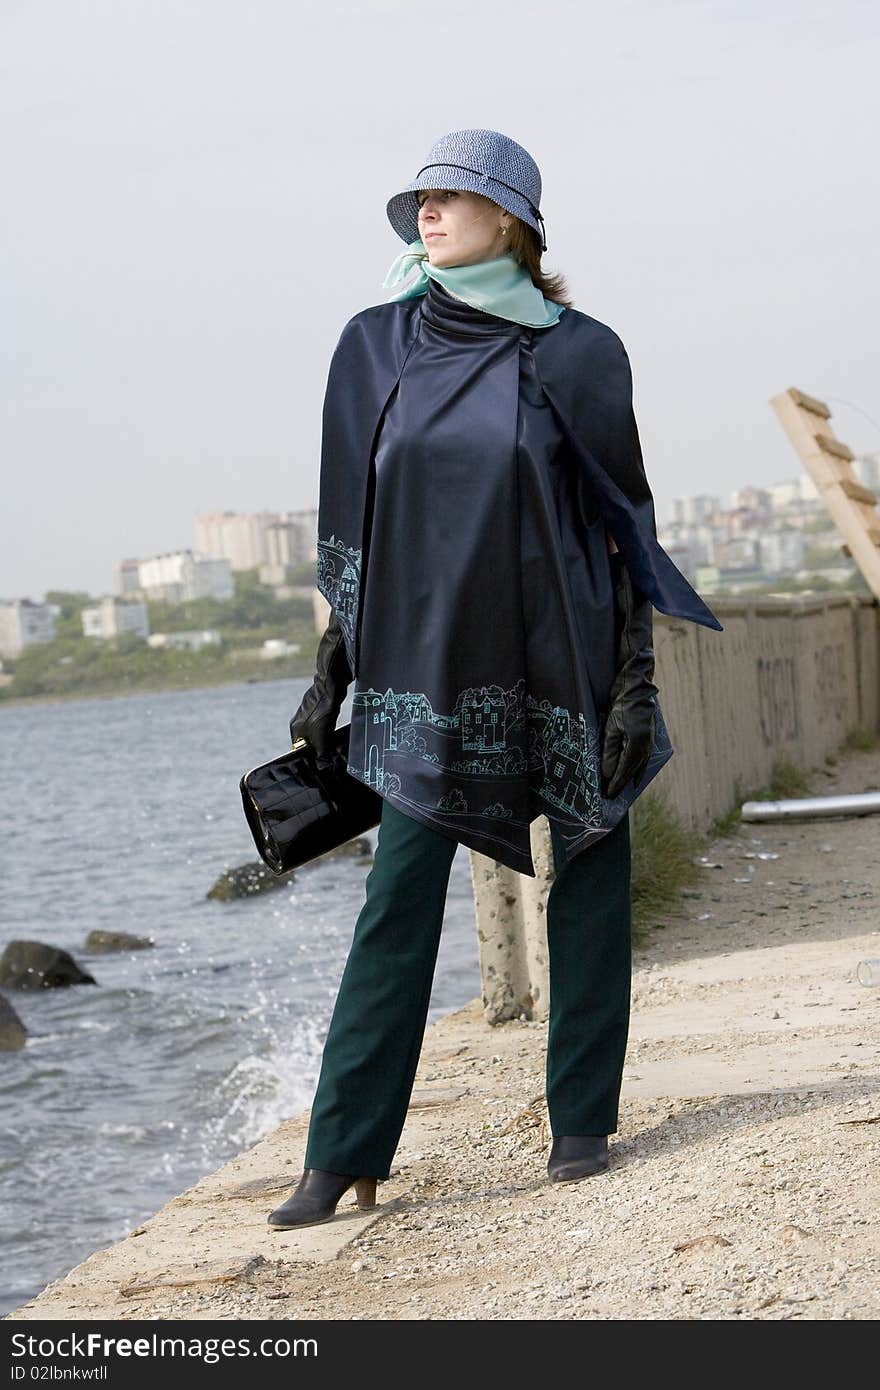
(315, 720)
(629, 731)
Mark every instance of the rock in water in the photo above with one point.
(100, 942)
(12, 1031)
(33, 965)
(247, 880)
(257, 877)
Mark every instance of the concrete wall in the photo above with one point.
(788, 677)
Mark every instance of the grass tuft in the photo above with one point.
(663, 854)
(726, 824)
(787, 779)
(864, 740)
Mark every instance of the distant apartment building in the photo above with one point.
(238, 537)
(191, 640)
(291, 543)
(272, 542)
(275, 647)
(128, 577)
(690, 511)
(183, 576)
(707, 579)
(24, 624)
(751, 499)
(741, 552)
(784, 494)
(781, 552)
(702, 541)
(743, 522)
(682, 552)
(293, 539)
(792, 493)
(689, 546)
(739, 579)
(114, 616)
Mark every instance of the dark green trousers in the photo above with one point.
(375, 1037)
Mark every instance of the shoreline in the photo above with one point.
(743, 1182)
(18, 701)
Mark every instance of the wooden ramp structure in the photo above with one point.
(851, 505)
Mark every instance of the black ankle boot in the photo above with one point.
(316, 1196)
(577, 1156)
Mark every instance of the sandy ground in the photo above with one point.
(743, 1180)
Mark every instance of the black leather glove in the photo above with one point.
(629, 730)
(315, 720)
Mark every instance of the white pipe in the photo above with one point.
(854, 804)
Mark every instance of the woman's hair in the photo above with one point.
(524, 245)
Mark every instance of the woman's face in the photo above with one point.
(461, 228)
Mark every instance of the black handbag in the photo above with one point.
(298, 810)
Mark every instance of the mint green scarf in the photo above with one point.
(502, 286)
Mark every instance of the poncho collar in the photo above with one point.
(451, 316)
(501, 286)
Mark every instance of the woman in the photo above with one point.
(487, 544)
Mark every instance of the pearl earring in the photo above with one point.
(504, 231)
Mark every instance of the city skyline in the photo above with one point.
(685, 513)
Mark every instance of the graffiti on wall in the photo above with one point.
(778, 708)
(778, 692)
(830, 676)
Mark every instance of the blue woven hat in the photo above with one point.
(477, 161)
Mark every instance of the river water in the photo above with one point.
(119, 813)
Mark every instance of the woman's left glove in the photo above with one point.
(629, 730)
(315, 720)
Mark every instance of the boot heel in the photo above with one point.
(365, 1193)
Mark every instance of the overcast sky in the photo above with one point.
(194, 205)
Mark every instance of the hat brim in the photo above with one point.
(403, 208)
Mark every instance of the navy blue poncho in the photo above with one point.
(478, 606)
